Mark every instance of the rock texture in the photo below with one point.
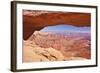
(36, 20)
(48, 46)
(76, 45)
(34, 53)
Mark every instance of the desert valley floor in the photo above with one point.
(44, 46)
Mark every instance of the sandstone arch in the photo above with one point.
(32, 23)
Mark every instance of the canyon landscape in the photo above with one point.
(56, 36)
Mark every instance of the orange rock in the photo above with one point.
(68, 46)
(34, 53)
(36, 20)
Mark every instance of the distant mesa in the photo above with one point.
(63, 31)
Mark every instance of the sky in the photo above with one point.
(63, 28)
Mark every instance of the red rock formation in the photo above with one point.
(40, 46)
(32, 22)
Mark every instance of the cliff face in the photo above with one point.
(33, 21)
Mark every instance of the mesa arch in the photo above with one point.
(32, 23)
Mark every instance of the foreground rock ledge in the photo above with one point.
(34, 53)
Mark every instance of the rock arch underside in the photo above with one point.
(36, 20)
